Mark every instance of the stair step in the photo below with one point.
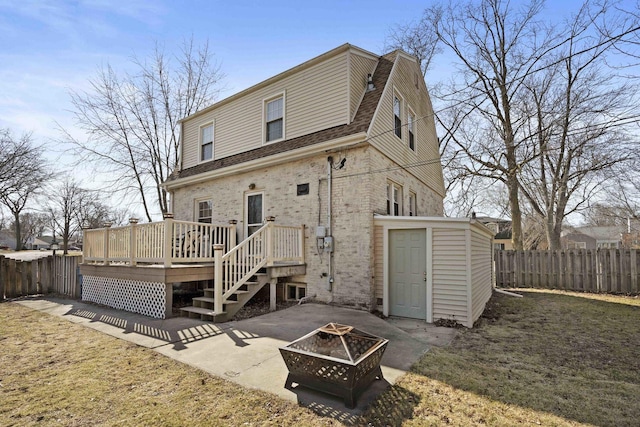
(203, 299)
(208, 299)
(205, 311)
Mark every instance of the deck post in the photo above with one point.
(232, 233)
(107, 225)
(86, 246)
(168, 239)
(218, 250)
(133, 247)
(269, 239)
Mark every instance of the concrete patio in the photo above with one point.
(247, 351)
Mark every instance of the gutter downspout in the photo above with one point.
(329, 176)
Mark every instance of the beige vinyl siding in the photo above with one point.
(481, 284)
(403, 81)
(378, 261)
(360, 68)
(449, 275)
(316, 98)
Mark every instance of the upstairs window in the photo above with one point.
(205, 211)
(411, 119)
(206, 142)
(274, 126)
(397, 113)
(394, 199)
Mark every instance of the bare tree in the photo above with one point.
(23, 171)
(65, 204)
(521, 109)
(132, 120)
(32, 224)
(417, 38)
(497, 46)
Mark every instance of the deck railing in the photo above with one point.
(171, 242)
(167, 242)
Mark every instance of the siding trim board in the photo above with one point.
(457, 282)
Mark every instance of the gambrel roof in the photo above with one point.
(360, 123)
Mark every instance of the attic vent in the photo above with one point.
(370, 85)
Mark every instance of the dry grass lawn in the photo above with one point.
(549, 358)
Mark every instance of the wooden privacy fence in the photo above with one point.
(602, 270)
(51, 274)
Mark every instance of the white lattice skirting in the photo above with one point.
(148, 298)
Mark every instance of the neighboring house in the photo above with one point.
(602, 237)
(344, 148)
(501, 229)
(39, 242)
(7, 240)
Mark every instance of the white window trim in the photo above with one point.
(413, 197)
(390, 201)
(410, 112)
(264, 117)
(396, 94)
(213, 141)
(196, 208)
(297, 286)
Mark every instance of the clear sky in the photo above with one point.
(50, 46)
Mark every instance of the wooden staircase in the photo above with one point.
(203, 307)
(269, 253)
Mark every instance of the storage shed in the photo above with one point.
(433, 267)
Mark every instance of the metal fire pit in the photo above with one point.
(335, 359)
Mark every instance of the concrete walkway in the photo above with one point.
(247, 351)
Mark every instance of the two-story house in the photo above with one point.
(326, 144)
(337, 146)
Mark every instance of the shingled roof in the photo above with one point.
(360, 123)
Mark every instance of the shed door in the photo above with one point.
(407, 271)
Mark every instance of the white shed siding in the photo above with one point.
(481, 283)
(360, 67)
(449, 275)
(316, 98)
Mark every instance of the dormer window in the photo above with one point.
(206, 142)
(397, 114)
(274, 119)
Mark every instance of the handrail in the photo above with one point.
(267, 246)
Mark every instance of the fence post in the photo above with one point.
(107, 225)
(133, 241)
(218, 250)
(167, 239)
(3, 277)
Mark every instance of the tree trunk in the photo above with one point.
(18, 230)
(516, 214)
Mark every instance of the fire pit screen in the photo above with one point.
(335, 359)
